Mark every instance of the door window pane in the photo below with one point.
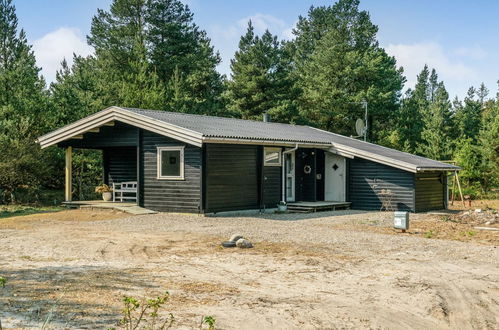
(289, 164)
(289, 187)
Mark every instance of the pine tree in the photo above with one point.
(341, 64)
(467, 156)
(488, 139)
(114, 34)
(161, 35)
(435, 134)
(77, 91)
(141, 88)
(409, 123)
(469, 116)
(23, 106)
(422, 91)
(259, 81)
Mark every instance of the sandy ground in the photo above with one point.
(331, 270)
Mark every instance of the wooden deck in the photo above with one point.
(131, 208)
(307, 207)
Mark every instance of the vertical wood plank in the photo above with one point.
(68, 175)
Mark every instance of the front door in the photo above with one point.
(334, 183)
(290, 176)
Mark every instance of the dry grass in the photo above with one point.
(434, 227)
(80, 215)
(477, 204)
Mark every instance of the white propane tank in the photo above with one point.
(401, 220)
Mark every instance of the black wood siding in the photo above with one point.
(231, 181)
(272, 177)
(120, 164)
(366, 178)
(119, 135)
(169, 195)
(430, 191)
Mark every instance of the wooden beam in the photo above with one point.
(77, 137)
(111, 123)
(460, 191)
(94, 130)
(68, 186)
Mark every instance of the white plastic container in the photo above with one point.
(401, 220)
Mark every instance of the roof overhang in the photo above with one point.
(336, 148)
(433, 169)
(111, 114)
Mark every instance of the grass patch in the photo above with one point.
(8, 211)
(429, 234)
(469, 233)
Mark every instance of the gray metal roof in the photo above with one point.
(231, 128)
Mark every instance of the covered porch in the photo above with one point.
(118, 144)
(314, 179)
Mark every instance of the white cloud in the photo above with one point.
(57, 45)
(262, 22)
(475, 53)
(414, 56)
(287, 34)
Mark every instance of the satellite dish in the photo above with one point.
(360, 127)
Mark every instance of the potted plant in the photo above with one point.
(282, 206)
(106, 192)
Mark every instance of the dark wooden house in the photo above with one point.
(196, 163)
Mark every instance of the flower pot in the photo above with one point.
(282, 208)
(107, 196)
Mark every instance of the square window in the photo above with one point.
(171, 163)
(272, 156)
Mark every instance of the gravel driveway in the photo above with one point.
(307, 271)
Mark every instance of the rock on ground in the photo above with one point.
(235, 237)
(243, 243)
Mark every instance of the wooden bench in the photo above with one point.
(125, 190)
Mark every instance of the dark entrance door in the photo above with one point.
(305, 175)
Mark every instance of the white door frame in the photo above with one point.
(291, 175)
(343, 176)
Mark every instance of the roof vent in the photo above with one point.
(266, 117)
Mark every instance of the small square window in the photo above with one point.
(171, 163)
(272, 156)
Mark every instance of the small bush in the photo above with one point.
(135, 313)
(209, 321)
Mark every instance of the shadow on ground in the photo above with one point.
(86, 297)
(288, 216)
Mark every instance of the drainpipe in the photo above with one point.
(284, 170)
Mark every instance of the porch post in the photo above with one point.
(68, 186)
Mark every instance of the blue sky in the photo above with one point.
(458, 38)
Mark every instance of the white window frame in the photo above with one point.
(159, 158)
(278, 150)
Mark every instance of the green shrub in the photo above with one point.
(136, 312)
